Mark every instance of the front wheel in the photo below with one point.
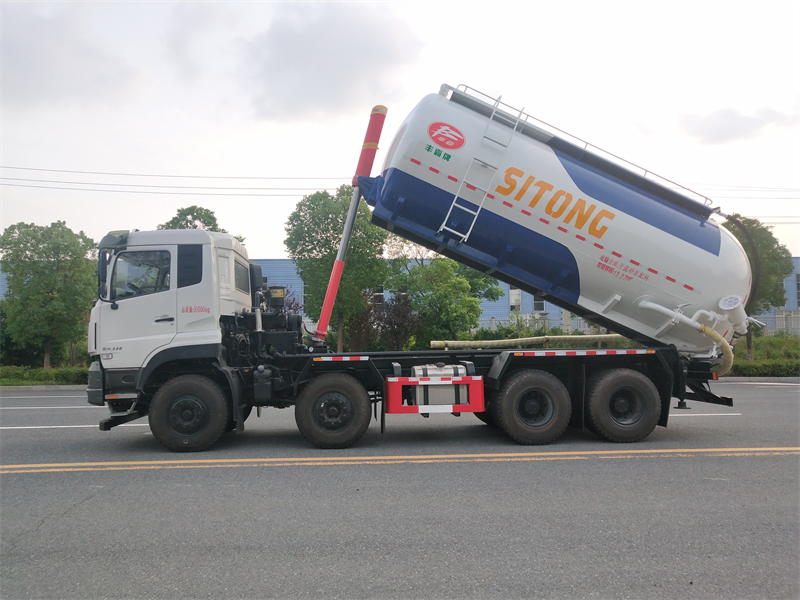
(189, 413)
(333, 411)
(623, 406)
(533, 407)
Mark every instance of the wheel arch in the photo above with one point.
(207, 360)
(198, 355)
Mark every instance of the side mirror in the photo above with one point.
(102, 273)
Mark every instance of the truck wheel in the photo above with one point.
(333, 411)
(533, 407)
(189, 413)
(623, 405)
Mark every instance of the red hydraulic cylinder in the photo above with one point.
(364, 168)
(370, 146)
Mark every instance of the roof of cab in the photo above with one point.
(120, 239)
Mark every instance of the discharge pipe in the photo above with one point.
(364, 168)
(727, 351)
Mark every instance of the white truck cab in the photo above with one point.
(161, 295)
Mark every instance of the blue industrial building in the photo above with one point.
(787, 317)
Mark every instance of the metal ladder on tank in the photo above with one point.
(483, 168)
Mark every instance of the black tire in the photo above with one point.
(533, 407)
(623, 405)
(487, 416)
(333, 411)
(189, 413)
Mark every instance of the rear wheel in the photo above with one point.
(333, 411)
(533, 407)
(189, 413)
(623, 405)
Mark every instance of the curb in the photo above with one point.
(759, 379)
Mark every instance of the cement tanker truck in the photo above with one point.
(186, 331)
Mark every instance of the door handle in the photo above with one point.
(165, 319)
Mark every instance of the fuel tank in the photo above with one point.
(491, 187)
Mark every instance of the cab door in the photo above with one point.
(139, 314)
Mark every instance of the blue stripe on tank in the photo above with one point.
(524, 255)
(648, 208)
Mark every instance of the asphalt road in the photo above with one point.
(435, 508)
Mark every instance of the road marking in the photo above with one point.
(390, 460)
(2, 397)
(705, 414)
(43, 407)
(756, 383)
(70, 426)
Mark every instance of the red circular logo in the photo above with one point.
(446, 135)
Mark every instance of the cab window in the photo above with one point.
(241, 277)
(140, 273)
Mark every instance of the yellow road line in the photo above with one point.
(386, 460)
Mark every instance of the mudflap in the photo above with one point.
(235, 383)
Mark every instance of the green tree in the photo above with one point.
(313, 233)
(775, 265)
(14, 354)
(435, 297)
(442, 298)
(399, 323)
(481, 286)
(51, 284)
(195, 217)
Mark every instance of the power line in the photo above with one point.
(45, 187)
(175, 176)
(732, 188)
(204, 187)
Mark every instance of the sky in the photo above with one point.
(115, 115)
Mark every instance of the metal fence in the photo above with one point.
(533, 321)
(781, 324)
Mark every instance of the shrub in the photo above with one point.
(32, 376)
(765, 368)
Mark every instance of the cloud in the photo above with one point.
(729, 125)
(50, 60)
(192, 34)
(325, 56)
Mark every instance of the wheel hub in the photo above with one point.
(532, 408)
(188, 415)
(625, 407)
(535, 408)
(621, 405)
(333, 411)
